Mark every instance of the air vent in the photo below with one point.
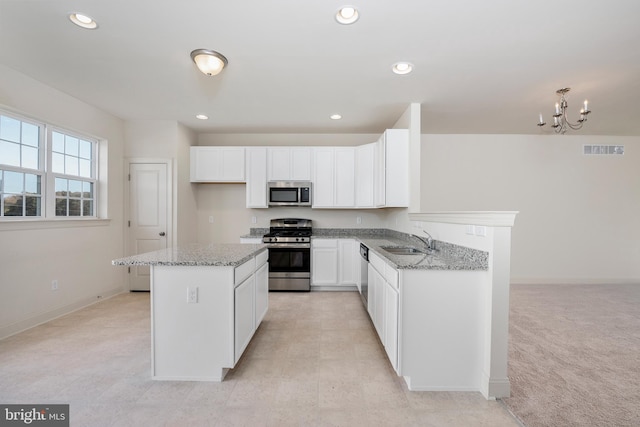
(603, 149)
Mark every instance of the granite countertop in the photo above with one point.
(447, 256)
(218, 255)
(441, 259)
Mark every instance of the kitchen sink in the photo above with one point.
(402, 250)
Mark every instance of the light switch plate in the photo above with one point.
(192, 295)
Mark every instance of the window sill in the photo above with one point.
(37, 224)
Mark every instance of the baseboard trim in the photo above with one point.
(39, 319)
(411, 387)
(493, 389)
(565, 281)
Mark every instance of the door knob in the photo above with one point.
(162, 234)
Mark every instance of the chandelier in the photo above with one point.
(560, 121)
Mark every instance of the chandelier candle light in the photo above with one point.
(560, 121)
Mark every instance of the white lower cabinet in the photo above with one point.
(203, 317)
(391, 324)
(348, 262)
(244, 315)
(324, 262)
(262, 293)
(383, 306)
(334, 263)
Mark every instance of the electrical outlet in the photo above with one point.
(254, 220)
(192, 295)
(54, 285)
(211, 219)
(471, 229)
(481, 230)
(358, 220)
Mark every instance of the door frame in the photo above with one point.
(171, 218)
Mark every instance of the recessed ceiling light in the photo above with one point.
(335, 117)
(202, 117)
(347, 15)
(83, 21)
(402, 67)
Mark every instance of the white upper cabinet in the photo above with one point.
(217, 164)
(392, 188)
(323, 179)
(334, 177)
(345, 190)
(289, 163)
(256, 158)
(365, 175)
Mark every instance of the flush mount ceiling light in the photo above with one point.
(83, 21)
(208, 61)
(402, 67)
(347, 15)
(202, 117)
(560, 122)
(335, 117)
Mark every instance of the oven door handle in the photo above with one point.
(289, 245)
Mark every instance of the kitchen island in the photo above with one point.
(206, 303)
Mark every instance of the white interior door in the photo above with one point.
(148, 216)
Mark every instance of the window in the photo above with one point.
(73, 165)
(45, 172)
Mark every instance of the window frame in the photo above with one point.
(48, 177)
(51, 175)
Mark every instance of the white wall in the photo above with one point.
(578, 220)
(275, 139)
(168, 140)
(231, 219)
(79, 257)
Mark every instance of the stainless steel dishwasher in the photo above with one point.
(364, 275)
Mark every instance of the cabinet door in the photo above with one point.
(345, 182)
(349, 265)
(376, 301)
(379, 174)
(301, 164)
(396, 167)
(323, 182)
(217, 164)
(256, 177)
(279, 161)
(324, 263)
(262, 293)
(391, 324)
(244, 315)
(365, 172)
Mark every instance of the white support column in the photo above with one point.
(495, 381)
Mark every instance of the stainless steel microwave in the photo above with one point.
(289, 193)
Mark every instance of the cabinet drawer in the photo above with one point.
(324, 243)
(391, 275)
(261, 258)
(377, 263)
(243, 271)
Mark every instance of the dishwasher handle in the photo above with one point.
(364, 252)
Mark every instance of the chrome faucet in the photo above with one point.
(428, 241)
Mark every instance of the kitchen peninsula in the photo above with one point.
(206, 303)
(428, 309)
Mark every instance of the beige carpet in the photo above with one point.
(574, 355)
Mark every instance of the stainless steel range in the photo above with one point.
(289, 243)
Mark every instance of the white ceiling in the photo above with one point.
(480, 66)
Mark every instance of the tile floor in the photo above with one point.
(314, 361)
